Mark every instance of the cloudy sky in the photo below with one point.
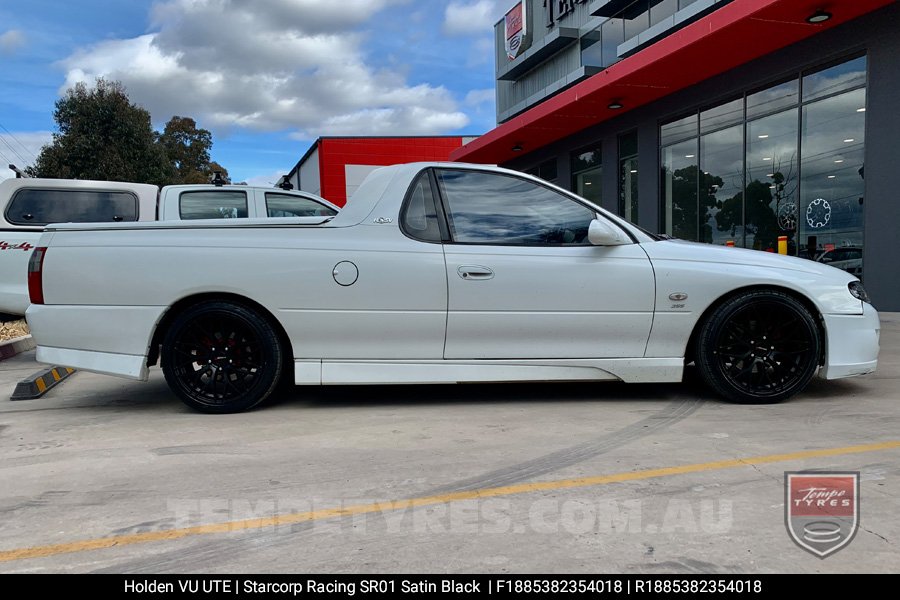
(265, 76)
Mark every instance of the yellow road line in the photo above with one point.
(509, 490)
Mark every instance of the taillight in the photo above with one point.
(35, 279)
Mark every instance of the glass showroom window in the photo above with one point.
(679, 189)
(772, 172)
(587, 174)
(546, 170)
(628, 176)
(722, 186)
(831, 211)
(786, 160)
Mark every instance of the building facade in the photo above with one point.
(726, 122)
(334, 167)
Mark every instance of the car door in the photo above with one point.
(524, 282)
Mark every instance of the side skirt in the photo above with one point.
(360, 372)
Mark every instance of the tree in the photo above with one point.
(187, 148)
(102, 135)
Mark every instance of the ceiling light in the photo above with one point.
(517, 148)
(839, 161)
(587, 183)
(832, 176)
(689, 156)
(634, 170)
(763, 136)
(767, 158)
(770, 174)
(848, 140)
(861, 109)
(615, 105)
(820, 16)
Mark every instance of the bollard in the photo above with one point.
(782, 244)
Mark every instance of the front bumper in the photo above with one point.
(852, 344)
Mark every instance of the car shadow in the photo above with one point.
(477, 393)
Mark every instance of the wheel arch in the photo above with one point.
(800, 297)
(159, 333)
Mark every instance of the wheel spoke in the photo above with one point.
(764, 347)
(221, 357)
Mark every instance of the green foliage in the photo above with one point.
(103, 135)
(187, 148)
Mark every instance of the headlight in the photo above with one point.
(858, 291)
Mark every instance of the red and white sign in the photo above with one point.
(516, 29)
(821, 510)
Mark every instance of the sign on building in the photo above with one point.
(518, 36)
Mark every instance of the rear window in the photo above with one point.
(40, 207)
(212, 204)
(288, 205)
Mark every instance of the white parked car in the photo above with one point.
(847, 258)
(28, 205)
(438, 273)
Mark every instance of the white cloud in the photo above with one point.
(476, 97)
(296, 65)
(21, 148)
(10, 41)
(473, 18)
(266, 179)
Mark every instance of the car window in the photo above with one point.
(419, 218)
(40, 207)
(289, 205)
(212, 204)
(499, 209)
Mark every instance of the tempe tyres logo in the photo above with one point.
(821, 510)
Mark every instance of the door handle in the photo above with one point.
(475, 272)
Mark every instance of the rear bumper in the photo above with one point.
(852, 344)
(128, 366)
(112, 340)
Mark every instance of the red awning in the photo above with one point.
(735, 34)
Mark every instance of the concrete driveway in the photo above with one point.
(103, 474)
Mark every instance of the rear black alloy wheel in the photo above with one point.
(221, 357)
(759, 347)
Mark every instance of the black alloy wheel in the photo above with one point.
(759, 347)
(221, 357)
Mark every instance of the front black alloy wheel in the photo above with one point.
(221, 357)
(759, 347)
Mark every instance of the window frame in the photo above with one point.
(21, 223)
(443, 227)
(801, 103)
(282, 194)
(183, 192)
(536, 181)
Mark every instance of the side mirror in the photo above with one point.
(603, 233)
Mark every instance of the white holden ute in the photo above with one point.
(28, 205)
(438, 273)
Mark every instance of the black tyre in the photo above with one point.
(221, 357)
(759, 347)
